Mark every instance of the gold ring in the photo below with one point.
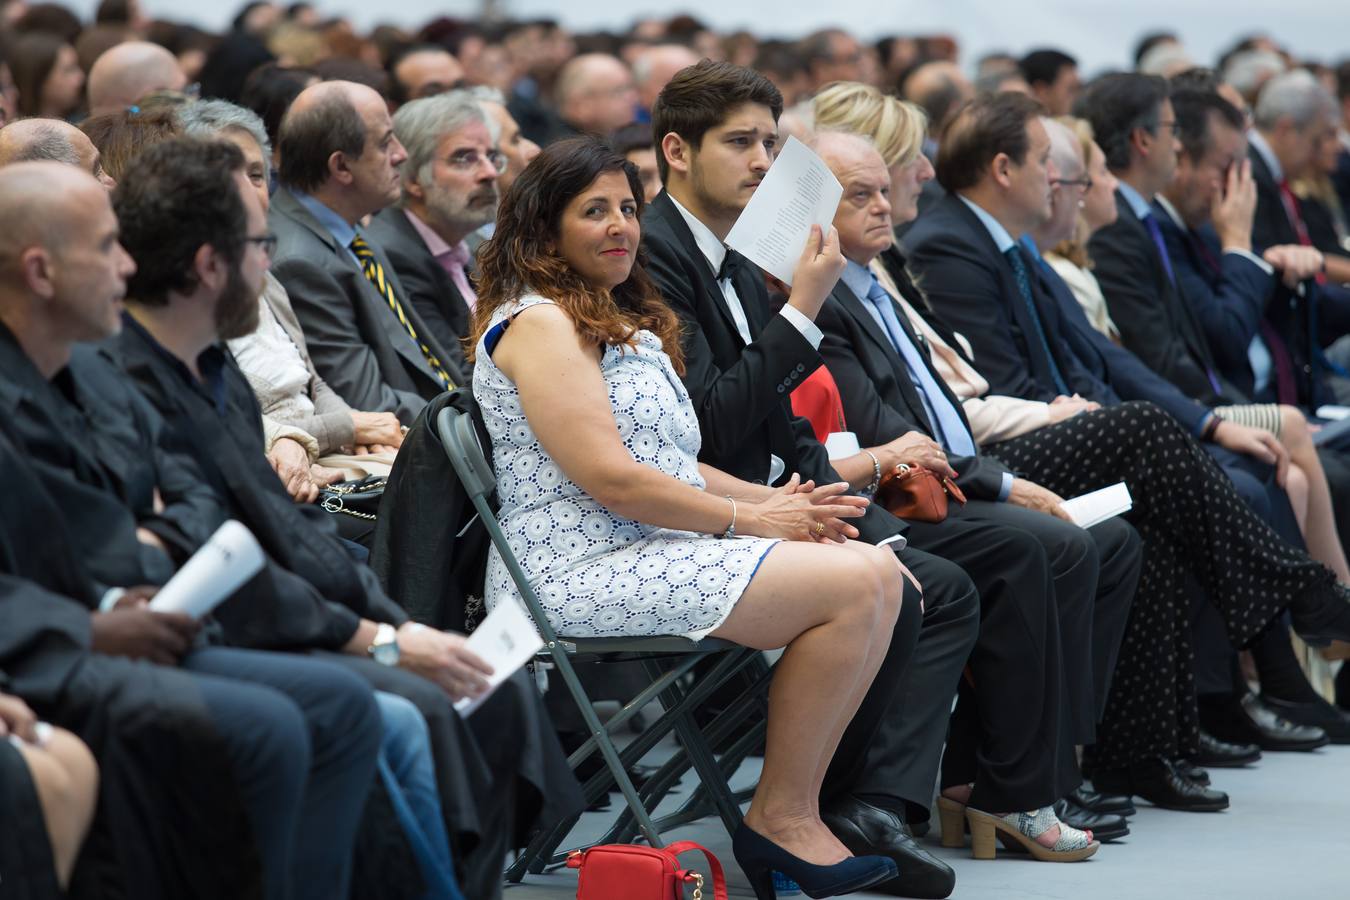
(819, 529)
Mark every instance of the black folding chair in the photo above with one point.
(667, 660)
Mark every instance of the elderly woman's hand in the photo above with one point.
(797, 515)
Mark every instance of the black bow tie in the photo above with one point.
(730, 264)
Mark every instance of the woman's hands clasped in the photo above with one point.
(801, 511)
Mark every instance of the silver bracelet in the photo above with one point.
(731, 529)
(876, 475)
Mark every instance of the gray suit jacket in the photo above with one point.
(430, 288)
(356, 342)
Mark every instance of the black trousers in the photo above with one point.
(1194, 525)
(902, 761)
(25, 851)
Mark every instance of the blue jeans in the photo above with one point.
(409, 776)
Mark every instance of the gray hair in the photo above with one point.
(1296, 95)
(486, 93)
(421, 124)
(46, 142)
(209, 118)
(1066, 150)
(1247, 70)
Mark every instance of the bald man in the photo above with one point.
(655, 67)
(126, 73)
(55, 140)
(365, 337)
(595, 94)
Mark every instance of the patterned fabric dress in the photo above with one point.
(598, 574)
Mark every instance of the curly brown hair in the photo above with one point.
(517, 260)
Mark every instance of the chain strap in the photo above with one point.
(698, 885)
(333, 502)
(335, 505)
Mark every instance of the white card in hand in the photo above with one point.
(218, 568)
(1098, 506)
(799, 191)
(506, 640)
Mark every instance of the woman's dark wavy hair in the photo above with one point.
(517, 259)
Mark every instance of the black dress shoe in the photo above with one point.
(1315, 713)
(1247, 721)
(868, 831)
(1191, 772)
(1158, 782)
(1087, 798)
(1219, 754)
(1105, 827)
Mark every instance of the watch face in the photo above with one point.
(386, 654)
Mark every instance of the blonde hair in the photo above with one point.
(1074, 249)
(896, 128)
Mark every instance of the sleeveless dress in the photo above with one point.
(598, 574)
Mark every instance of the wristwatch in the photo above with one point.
(384, 649)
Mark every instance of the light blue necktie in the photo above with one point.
(951, 431)
(1019, 267)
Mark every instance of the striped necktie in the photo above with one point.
(375, 272)
(1019, 268)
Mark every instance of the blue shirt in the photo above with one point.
(338, 227)
(1002, 239)
(1138, 205)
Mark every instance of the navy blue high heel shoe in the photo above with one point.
(760, 857)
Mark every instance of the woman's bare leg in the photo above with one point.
(824, 604)
(1324, 543)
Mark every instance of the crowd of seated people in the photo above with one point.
(236, 269)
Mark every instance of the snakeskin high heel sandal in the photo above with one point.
(1018, 831)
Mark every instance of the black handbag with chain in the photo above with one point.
(355, 505)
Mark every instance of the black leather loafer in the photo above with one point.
(1314, 713)
(1219, 754)
(1105, 827)
(1247, 721)
(868, 831)
(1087, 798)
(1191, 772)
(1158, 782)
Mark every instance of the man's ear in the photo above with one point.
(1141, 140)
(677, 152)
(209, 267)
(413, 189)
(1000, 167)
(36, 268)
(338, 168)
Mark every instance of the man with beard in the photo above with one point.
(339, 164)
(449, 189)
(197, 285)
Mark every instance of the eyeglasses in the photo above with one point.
(1084, 184)
(468, 160)
(267, 243)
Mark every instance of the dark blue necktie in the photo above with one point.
(1024, 288)
(1156, 233)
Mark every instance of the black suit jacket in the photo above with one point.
(972, 287)
(356, 342)
(1228, 302)
(740, 391)
(1155, 322)
(426, 285)
(881, 402)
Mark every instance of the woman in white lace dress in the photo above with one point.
(617, 524)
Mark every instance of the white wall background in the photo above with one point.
(1101, 33)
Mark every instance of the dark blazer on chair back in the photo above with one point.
(740, 392)
(429, 287)
(357, 343)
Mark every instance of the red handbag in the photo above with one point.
(635, 872)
